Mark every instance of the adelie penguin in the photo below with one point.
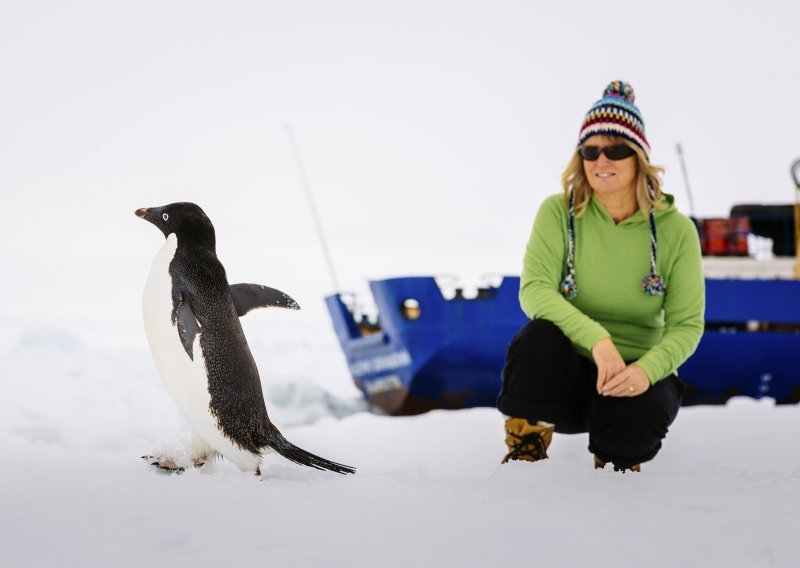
(191, 317)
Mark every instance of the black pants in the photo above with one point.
(545, 378)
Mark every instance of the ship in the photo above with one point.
(434, 345)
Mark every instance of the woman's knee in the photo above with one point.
(543, 366)
(538, 335)
(632, 429)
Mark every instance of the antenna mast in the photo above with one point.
(312, 205)
(679, 148)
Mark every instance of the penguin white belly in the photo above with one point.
(186, 380)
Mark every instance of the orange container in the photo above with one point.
(715, 236)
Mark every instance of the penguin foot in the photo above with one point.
(164, 463)
(204, 458)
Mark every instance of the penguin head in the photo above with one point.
(186, 220)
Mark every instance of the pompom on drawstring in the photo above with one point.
(568, 287)
(653, 285)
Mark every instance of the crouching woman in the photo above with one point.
(612, 281)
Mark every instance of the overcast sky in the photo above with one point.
(430, 130)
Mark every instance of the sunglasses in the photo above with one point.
(616, 152)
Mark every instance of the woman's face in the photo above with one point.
(609, 177)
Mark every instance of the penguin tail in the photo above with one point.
(284, 447)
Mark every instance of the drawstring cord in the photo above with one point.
(653, 284)
(569, 288)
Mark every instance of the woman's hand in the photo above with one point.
(632, 381)
(608, 360)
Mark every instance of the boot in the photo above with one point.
(600, 464)
(526, 441)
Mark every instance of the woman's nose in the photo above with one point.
(602, 160)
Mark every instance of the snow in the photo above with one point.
(430, 132)
(429, 491)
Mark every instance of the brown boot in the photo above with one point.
(526, 441)
(600, 464)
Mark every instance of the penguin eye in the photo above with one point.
(165, 216)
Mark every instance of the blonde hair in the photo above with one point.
(575, 178)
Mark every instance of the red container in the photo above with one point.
(725, 237)
(715, 236)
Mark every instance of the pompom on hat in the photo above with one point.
(616, 115)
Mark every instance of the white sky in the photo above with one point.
(430, 130)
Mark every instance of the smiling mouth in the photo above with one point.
(604, 175)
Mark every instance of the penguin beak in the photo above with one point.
(150, 214)
(154, 215)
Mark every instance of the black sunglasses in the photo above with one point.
(616, 152)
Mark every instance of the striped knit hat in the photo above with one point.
(616, 115)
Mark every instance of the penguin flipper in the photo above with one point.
(248, 297)
(183, 317)
(284, 447)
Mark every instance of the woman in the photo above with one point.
(602, 348)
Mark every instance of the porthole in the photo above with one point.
(410, 309)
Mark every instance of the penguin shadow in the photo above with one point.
(275, 469)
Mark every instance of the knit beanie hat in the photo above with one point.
(616, 115)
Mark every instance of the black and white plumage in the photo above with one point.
(191, 318)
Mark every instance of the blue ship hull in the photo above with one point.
(430, 352)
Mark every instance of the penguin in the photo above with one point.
(191, 318)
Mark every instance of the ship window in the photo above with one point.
(410, 309)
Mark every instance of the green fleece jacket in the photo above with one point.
(657, 332)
